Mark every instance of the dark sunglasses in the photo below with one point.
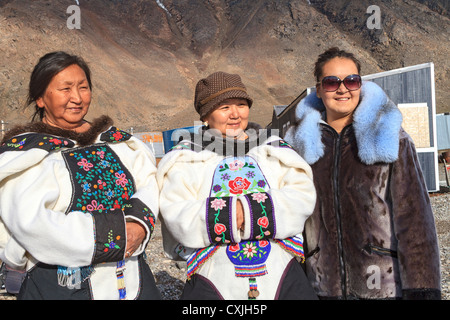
(332, 83)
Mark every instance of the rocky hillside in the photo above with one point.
(147, 56)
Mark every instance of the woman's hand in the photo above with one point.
(239, 215)
(135, 235)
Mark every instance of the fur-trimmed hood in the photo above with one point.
(98, 125)
(376, 122)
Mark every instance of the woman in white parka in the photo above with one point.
(78, 199)
(233, 202)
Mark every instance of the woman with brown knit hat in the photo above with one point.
(233, 202)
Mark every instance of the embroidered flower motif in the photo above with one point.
(109, 194)
(111, 244)
(218, 204)
(263, 243)
(238, 185)
(236, 165)
(261, 183)
(85, 164)
(217, 188)
(259, 197)
(225, 176)
(94, 206)
(116, 205)
(111, 187)
(250, 257)
(249, 250)
(86, 186)
(55, 141)
(117, 135)
(150, 220)
(104, 164)
(121, 179)
(219, 228)
(100, 184)
(250, 174)
(233, 247)
(14, 143)
(263, 222)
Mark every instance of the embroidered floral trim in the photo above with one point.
(135, 207)
(111, 244)
(261, 211)
(238, 176)
(35, 140)
(249, 257)
(219, 220)
(100, 179)
(115, 135)
(102, 186)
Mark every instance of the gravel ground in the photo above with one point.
(170, 275)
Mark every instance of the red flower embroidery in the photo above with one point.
(238, 185)
(117, 135)
(116, 205)
(219, 228)
(263, 222)
(263, 243)
(55, 141)
(233, 248)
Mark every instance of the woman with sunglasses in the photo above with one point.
(372, 234)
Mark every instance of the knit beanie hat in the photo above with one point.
(217, 87)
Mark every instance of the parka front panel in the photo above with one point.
(348, 234)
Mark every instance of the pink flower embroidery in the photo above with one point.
(218, 204)
(121, 179)
(86, 165)
(259, 197)
(238, 185)
(94, 206)
(236, 165)
(101, 154)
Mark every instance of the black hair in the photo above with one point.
(332, 53)
(49, 66)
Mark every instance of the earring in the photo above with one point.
(205, 123)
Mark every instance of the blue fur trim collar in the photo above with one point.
(376, 121)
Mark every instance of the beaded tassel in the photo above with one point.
(253, 293)
(120, 280)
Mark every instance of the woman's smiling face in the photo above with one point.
(230, 118)
(67, 98)
(342, 102)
